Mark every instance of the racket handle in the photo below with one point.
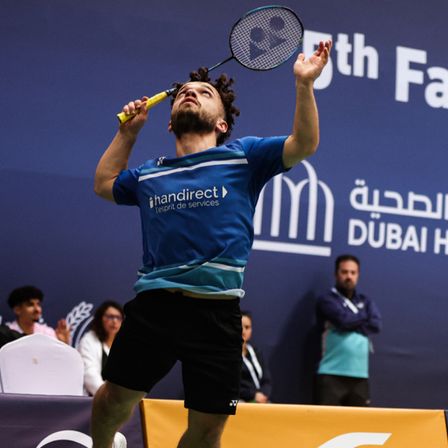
(150, 102)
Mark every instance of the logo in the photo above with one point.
(78, 319)
(397, 220)
(260, 36)
(78, 437)
(67, 436)
(186, 198)
(233, 403)
(299, 219)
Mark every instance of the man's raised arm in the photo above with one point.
(304, 138)
(115, 158)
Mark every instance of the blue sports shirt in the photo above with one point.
(197, 214)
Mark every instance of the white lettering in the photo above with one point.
(185, 195)
(389, 235)
(436, 93)
(411, 239)
(394, 233)
(353, 238)
(424, 240)
(361, 52)
(440, 241)
(365, 58)
(354, 58)
(404, 74)
(343, 49)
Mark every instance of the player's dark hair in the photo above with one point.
(223, 86)
(245, 313)
(24, 293)
(97, 322)
(345, 257)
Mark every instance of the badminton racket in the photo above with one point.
(262, 39)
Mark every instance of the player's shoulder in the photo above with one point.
(243, 143)
(262, 143)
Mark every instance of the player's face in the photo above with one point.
(246, 323)
(112, 319)
(197, 109)
(28, 311)
(347, 275)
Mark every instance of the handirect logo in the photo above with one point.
(186, 198)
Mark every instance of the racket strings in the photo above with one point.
(266, 37)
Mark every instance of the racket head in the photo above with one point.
(266, 37)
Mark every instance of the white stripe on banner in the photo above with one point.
(292, 248)
(189, 168)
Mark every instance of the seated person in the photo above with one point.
(26, 303)
(95, 345)
(255, 384)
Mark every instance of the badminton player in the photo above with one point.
(196, 206)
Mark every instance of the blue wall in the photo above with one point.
(379, 174)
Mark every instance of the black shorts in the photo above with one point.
(336, 390)
(162, 327)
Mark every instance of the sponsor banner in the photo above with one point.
(295, 426)
(44, 421)
(297, 216)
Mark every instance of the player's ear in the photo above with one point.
(222, 126)
(170, 129)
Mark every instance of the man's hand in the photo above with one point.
(63, 331)
(307, 70)
(133, 126)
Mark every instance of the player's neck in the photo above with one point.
(193, 143)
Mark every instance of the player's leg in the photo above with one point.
(210, 349)
(139, 357)
(112, 407)
(204, 430)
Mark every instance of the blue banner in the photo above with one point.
(376, 187)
